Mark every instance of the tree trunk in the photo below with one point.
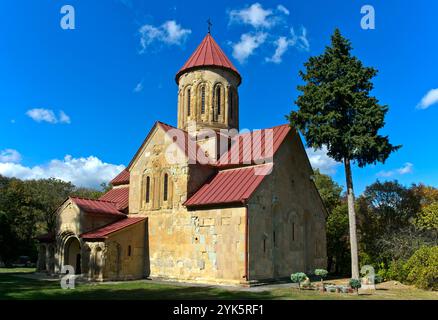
(352, 221)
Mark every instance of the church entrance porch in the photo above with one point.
(72, 254)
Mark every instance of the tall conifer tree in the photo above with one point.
(336, 110)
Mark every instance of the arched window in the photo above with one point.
(218, 100)
(165, 186)
(148, 189)
(230, 103)
(188, 102)
(293, 231)
(203, 100)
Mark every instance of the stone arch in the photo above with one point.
(189, 106)
(68, 247)
(73, 254)
(218, 103)
(292, 222)
(203, 94)
(147, 189)
(163, 174)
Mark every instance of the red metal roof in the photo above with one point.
(121, 178)
(105, 231)
(229, 186)
(97, 206)
(254, 147)
(118, 195)
(208, 53)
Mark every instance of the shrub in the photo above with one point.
(422, 268)
(378, 279)
(396, 271)
(355, 284)
(322, 273)
(298, 278)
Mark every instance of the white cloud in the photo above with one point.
(10, 155)
(254, 15)
(84, 172)
(40, 115)
(320, 160)
(429, 99)
(282, 44)
(247, 44)
(47, 115)
(301, 40)
(272, 21)
(407, 168)
(283, 9)
(139, 87)
(63, 118)
(169, 33)
(258, 17)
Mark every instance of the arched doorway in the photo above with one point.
(72, 254)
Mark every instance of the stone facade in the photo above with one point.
(209, 98)
(286, 218)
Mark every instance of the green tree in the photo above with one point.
(298, 277)
(87, 193)
(27, 209)
(337, 111)
(321, 273)
(422, 268)
(428, 217)
(337, 240)
(426, 194)
(392, 204)
(329, 190)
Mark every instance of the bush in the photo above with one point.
(355, 284)
(396, 271)
(322, 273)
(422, 268)
(378, 279)
(298, 278)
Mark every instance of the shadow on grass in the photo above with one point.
(15, 287)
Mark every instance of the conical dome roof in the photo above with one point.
(210, 54)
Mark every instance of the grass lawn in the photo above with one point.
(14, 286)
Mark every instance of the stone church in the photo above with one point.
(200, 202)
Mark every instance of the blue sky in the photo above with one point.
(77, 103)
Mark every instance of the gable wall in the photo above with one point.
(201, 245)
(286, 199)
(70, 218)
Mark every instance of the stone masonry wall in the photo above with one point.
(286, 218)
